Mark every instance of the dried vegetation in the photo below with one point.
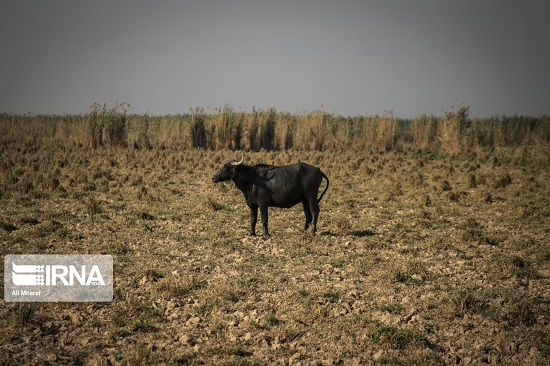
(421, 257)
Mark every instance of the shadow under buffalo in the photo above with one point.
(356, 233)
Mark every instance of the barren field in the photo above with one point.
(420, 259)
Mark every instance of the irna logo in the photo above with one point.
(36, 277)
(52, 275)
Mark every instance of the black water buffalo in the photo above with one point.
(266, 186)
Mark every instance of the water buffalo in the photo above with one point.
(266, 186)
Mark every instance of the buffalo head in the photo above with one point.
(227, 171)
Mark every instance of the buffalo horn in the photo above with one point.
(239, 162)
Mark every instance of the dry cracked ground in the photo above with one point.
(420, 259)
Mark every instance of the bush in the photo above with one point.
(107, 126)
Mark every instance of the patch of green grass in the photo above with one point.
(144, 215)
(521, 313)
(396, 337)
(8, 227)
(173, 287)
(467, 301)
(23, 313)
(93, 207)
(214, 205)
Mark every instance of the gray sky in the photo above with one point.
(347, 57)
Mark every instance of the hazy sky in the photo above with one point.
(346, 57)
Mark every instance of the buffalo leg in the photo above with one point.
(307, 212)
(263, 212)
(253, 219)
(314, 208)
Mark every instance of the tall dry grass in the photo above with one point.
(226, 128)
(454, 131)
(425, 131)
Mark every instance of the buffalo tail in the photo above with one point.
(322, 194)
